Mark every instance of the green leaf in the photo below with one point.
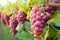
(51, 22)
(52, 32)
(20, 27)
(58, 1)
(7, 10)
(27, 25)
(32, 2)
(56, 16)
(24, 36)
(24, 3)
(54, 22)
(57, 23)
(58, 35)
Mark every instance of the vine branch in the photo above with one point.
(51, 4)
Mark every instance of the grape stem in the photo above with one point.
(51, 4)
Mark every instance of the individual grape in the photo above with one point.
(42, 14)
(35, 36)
(33, 27)
(13, 24)
(44, 17)
(34, 15)
(41, 25)
(35, 8)
(38, 18)
(52, 12)
(37, 23)
(28, 17)
(47, 8)
(42, 22)
(49, 16)
(33, 20)
(21, 17)
(38, 29)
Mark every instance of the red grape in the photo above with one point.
(21, 17)
(13, 24)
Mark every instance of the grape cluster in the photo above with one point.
(51, 9)
(21, 17)
(38, 20)
(12, 20)
(5, 19)
(13, 24)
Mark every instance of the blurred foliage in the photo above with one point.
(24, 36)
